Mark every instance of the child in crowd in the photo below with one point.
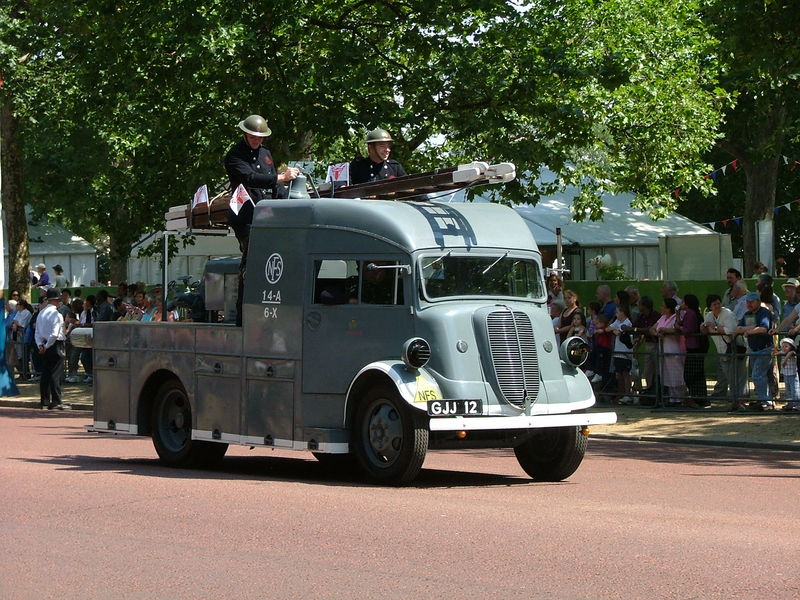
(622, 354)
(556, 308)
(592, 309)
(789, 371)
(603, 339)
(578, 327)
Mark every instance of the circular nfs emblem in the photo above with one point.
(274, 268)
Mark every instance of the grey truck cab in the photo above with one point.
(372, 330)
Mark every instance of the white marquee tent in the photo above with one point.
(629, 237)
(52, 244)
(189, 260)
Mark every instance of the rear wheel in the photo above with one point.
(552, 454)
(390, 438)
(171, 424)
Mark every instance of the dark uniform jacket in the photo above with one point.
(255, 170)
(363, 170)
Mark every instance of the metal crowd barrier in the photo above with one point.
(27, 361)
(711, 380)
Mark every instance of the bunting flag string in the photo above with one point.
(734, 165)
(738, 220)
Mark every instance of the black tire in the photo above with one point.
(552, 454)
(390, 439)
(171, 424)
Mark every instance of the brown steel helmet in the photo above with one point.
(378, 135)
(255, 125)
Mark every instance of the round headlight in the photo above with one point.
(416, 353)
(574, 351)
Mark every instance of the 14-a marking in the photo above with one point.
(271, 297)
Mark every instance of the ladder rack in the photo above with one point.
(214, 215)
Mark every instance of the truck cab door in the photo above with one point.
(359, 313)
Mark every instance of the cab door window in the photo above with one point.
(336, 281)
(347, 281)
(381, 282)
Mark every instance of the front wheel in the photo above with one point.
(171, 424)
(390, 438)
(552, 454)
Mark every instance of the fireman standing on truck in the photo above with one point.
(249, 164)
(377, 165)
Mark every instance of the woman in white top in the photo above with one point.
(59, 279)
(23, 316)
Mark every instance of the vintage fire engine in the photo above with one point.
(373, 330)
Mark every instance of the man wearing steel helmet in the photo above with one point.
(376, 165)
(249, 164)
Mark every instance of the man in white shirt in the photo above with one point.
(732, 276)
(738, 294)
(49, 340)
(720, 321)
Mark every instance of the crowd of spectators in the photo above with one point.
(131, 303)
(644, 350)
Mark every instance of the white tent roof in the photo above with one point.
(51, 244)
(48, 239)
(621, 225)
(52, 239)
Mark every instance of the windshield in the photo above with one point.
(498, 275)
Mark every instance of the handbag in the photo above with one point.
(626, 339)
(11, 356)
(738, 349)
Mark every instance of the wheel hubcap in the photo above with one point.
(385, 433)
(175, 422)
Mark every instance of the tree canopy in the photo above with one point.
(133, 104)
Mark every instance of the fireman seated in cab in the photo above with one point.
(377, 165)
(250, 164)
(358, 282)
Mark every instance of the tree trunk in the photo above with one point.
(119, 247)
(757, 146)
(759, 206)
(119, 252)
(14, 206)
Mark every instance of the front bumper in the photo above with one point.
(521, 422)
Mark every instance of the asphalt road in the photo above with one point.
(90, 516)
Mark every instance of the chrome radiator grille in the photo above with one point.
(513, 350)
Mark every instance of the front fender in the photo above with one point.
(579, 390)
(415, 386)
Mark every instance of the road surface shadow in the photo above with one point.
(692, 454)
(299, 470)
(39, 413)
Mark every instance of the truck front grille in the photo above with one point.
(513, 350)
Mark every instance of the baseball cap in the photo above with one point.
(788, 340)
(752, 296)
(791, 281)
